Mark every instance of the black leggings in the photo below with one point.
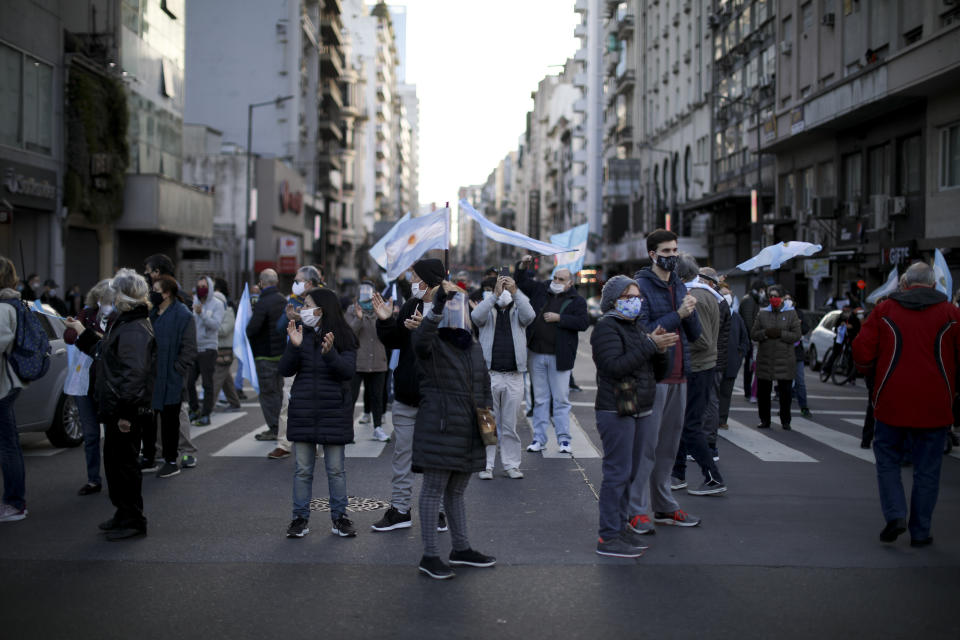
(169, 418)
(373, 389)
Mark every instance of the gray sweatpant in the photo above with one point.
(669, 407)
(404, 418)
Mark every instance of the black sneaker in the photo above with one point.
(266, 436)
(343, 527)
(471, 558)
(710, 487)
(442, 523)
(298, 528)
(391, 520)
(109, 525)
(893, 530)
(201, 421)
(169, 469)
(148, 465)
(635, 540)
(435, 568)
(617, 548)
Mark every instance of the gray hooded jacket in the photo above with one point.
(209, 319)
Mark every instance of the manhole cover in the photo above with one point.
(354, 504)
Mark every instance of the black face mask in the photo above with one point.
(460, 338)
(156, 298)
(667, 263)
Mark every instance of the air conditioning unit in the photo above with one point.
(897, 206)
(828, 19)
(824, 207)
(786, 47)
(881, 218)
(853, 209)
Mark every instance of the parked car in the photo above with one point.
(822, 338)
(593, 309)
(42, 405)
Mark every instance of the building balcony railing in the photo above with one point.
(159, 204)
(331, 62)
(331, 28)
(625, 80)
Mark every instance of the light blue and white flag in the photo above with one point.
(379, 251)
(776, 254)
(508, 236)
(888, 287)
(576, 240)
(241, 345)
(942, 271)
(415, 237)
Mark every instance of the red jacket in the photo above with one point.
(911, 342)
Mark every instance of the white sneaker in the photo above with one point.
(565, 446)
(365, 419)
(486, 474)
(536, 447)
(381, 435)
(513, 474)
(9, 513)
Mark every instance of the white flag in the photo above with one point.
(414, 238)
(942, 271)
(888, 287)
(508, 236)
(379, 251)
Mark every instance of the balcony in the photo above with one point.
(624, 135)
(161, 205)
(625, 26)
(580, 106)
(676, 67)
(686, 57)
(580, 31)
(328, 157)
(666, 77)
(330, 183)
(331, 91)
(580, 80)
(676, 19)
(333, 5)
(330, 28)
(331, 63)
(383, 150)
(328, 128)
(580, 6)
(625, 80)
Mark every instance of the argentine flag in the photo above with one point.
(415, 237)
(379, 251)
(942, 271)
(241, 345)
(888, 287)
(576, 240)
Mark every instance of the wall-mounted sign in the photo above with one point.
(896, 255)
(28, 186)
(289, 246)
(290, 200)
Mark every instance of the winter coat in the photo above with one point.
(225, 333)
(371, 356)
(573, 316)
(209, 319)
(521, 313)
(8, 333)
(911, 342)
(659, 309)
(453, 382)
(621, 349)
(321, 401)
(126, 362)
(265, 340)
(175, 332)
(804, 328)
(776, 359)
(738, 345)
(749, 307)
(703, 350)
(393, 335)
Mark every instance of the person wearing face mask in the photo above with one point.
(552, 339)
(799, 381)
(738, 345)
(321, 355)
(371, 360)
(175, 331)
(306, 279)
(50, 297)
(667, 305)
(749, 307)
(395, 332)
(776, 329)
(447, 447)
(222, 380)
(503, 316)
(711, 422)
(208, 311)
(267, 346)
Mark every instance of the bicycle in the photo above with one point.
(844, 369)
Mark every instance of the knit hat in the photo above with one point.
(612, 290)
(430, 271)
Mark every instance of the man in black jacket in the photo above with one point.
(749, 308)
(267, 345)
(552, 338)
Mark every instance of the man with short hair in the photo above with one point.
(552, 339)
(267, 346)
(711, 416)
(912, 343)
(666, 304)
(749, 308)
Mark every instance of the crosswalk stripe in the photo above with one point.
(819, 397)
(818, 411)
(832, 438)
(954, 453)
(246, 446)
(760, 445)
(217, 420)
(579, 441)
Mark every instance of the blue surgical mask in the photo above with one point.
(629, 308)
(366, 305)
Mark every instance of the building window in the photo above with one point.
(26, 101)
(786, 195)
(827, 182)
(806, 15)
(807, 190)
(910, 173)
(950, 156)
(878, 177)
(852, 177)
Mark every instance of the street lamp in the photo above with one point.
(248, 266)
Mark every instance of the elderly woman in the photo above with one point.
(14, 505)
(125, 360)
(371, 360)
(626, 357)
(776, 329)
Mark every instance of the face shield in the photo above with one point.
(456, 313)
(366, 292)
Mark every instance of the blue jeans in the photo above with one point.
(11, 456)
(629, 447)
(306, 459)
(91, 436)
(800, 385)
(926, 447)
(548, 383)
(693, 439)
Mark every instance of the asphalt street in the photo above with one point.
(790, 551)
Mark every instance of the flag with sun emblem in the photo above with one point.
(942, 272)
(414, 238)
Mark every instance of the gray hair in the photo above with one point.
(97, 293)
(919, 273)
(269, 277)
(687, 267)
(311, 273)
(130, 288)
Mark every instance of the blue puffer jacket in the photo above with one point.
(175, 331)
(321, 403)
(660, 310)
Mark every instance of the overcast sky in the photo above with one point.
(475, 64)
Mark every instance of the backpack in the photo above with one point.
(30, 353)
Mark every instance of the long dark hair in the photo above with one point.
(343, 337)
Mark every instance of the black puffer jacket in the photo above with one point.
(446, 434)
(393, 335)
(321, 403)
(126, 363)
(265, 340)
(621, 348)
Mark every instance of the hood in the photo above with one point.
(6, 294)
(209, 282)
(786, 306)
(918, 298)
(648, 274)
(696, 284)
(219, 296)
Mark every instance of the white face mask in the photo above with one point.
(418, 293)
(307, 317)
(105, 310)
(299, 288)
(729, 299)
(556, 287)
(505, 299)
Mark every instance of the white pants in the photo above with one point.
(507, 390)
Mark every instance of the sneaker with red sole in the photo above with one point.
(641, 525)
(678, 518)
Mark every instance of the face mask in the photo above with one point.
(52, 293)
(202, 293)
(366, 305)
(505, 299)
(557, 288)
(307, 317)
(19, 286)
(106, 310)
(776, 301)
(729, 299)
(36, 286)
(667, 263)
(156, 298)
(418, 293)
(299, 288)
(629, 308)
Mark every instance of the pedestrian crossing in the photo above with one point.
(954, 453)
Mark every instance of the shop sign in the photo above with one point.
(290, 200)
(896, 255)
(818, 268)
(28, 186)
(287, 264)
(289, 246)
